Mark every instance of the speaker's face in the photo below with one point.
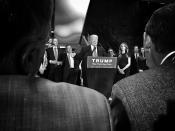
(93, 39)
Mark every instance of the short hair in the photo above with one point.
(68, 45)
(161, 28)
(24, 24)
(110, 49)
(24, 19)
(93, 36)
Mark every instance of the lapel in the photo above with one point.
(98, 50)
(89, 51)
(51, 53)
(66, 60)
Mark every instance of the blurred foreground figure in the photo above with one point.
(35, 104)
(146, 101)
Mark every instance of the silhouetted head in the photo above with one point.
(159, 35)
(24, 28)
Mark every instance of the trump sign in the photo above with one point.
(101, 62)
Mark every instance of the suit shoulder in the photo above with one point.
(86, 47)
(132, 83)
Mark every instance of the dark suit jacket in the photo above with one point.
(148, 99)
(35, 104)
(82, 56)
(142, 63)
(69, 75)
(54, 71)
(134, 65)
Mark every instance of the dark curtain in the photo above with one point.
(116, 21)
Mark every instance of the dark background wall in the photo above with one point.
(115, 21)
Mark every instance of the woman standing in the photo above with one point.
(123, 62)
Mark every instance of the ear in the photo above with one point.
(147, 41)
(31, 60)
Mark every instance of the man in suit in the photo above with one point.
(142, 61)
(70, 72)
(134, 61)
(54, 64)
(111, 53)
(146, 101)
(90, 50)
(36, 104)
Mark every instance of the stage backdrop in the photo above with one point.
(117, 21)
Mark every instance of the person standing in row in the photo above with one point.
(142, 61)
(123, 62)
(134, 61)
(54, 65)
(69, 69)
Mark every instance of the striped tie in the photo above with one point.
(94, 52)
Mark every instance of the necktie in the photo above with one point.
(71, 60)
(94, 52)
(55, 52)
(136, 55)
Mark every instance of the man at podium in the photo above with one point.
(91, 50)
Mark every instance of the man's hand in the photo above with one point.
(55, 62)
(122, 71)
(59, 63)
(73, 54)
(52, 61)
(140, 70)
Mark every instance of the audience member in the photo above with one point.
(147, 99)
(36, 104)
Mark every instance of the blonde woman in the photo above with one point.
(123, 61)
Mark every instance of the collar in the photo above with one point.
(166, 57)
(92, 47)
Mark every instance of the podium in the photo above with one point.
(100, 73)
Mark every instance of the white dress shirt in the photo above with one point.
(71, 60)
(55, 51)
(94, 53)
(136, 55)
